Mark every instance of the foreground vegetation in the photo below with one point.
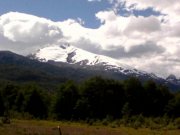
(112, 103)
(34, 127)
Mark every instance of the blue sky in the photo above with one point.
(131, 31)
(57, 10)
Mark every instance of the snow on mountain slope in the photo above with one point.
(83, 59)
(72, 55)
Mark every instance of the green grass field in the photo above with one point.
(34, 127)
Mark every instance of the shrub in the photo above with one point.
(90, 121)
(114, 124)
(105, 122)
(1, 123)
(170, 126)
(177, 123)
(6, 120)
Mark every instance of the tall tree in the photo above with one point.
(173, 107)
(135, 95)
(66, 98)
(35, 102)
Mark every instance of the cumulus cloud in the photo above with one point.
(21, 31)
(170, 8)
(142, 42)
(118, 52)
(148, 43)
(143, 24)
(149, 48)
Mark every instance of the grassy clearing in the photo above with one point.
(34, 127)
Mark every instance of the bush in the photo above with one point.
(136, 125)
(105, 122)
(125, 121)
(114, 124)
(135, 121)
(1, 123)
(6, 120)
(27, 116)
(177, 123)
(90, 121)
(171, 126)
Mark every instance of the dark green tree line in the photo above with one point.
(95, 98)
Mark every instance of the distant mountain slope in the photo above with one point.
(82, 59)
(15, 67)
(18, 68)
(75, 56)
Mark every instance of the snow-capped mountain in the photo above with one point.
(77, 57)
(172, 78)
(72, 55)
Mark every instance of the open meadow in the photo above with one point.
(35, 127)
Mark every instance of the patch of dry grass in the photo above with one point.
(34, 127)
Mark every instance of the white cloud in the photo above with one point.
(169, 7)
(144, 24)
(142, 42)
(149, 43)
(80, 21)
(20, 30)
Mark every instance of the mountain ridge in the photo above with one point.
(65, 53)
(73, 55)
(19, 68)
